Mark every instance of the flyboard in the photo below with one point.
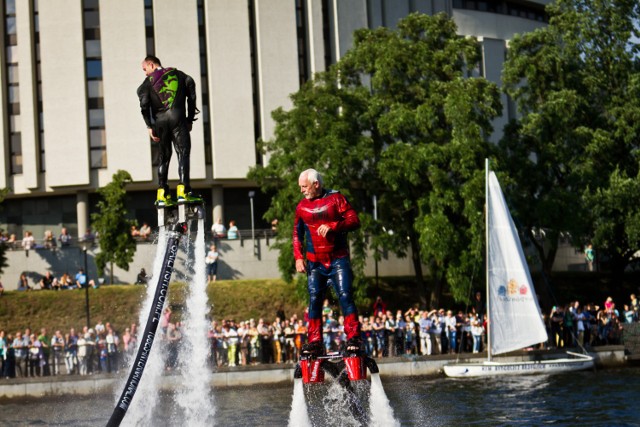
(174, 218)
(345, 367)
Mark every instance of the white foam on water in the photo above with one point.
(299, 415)
(381, 411)
(194, 394)
(337, 406)
(143, 405)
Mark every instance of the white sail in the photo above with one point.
(515, 320)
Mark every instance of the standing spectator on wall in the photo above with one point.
(212, 263)
(89, 238)
(28, 242)
(12, 242)
(589, 257)
(65, 238)
(49, 241)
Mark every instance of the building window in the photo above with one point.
(513, 8)
(303, 40)
(257, 125)
(204, 79)
(95, 96)
(12, 85)
(40, 130)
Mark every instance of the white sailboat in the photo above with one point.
(515, 320)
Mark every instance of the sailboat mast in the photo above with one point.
(486, 234)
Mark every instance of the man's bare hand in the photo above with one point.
(153, 137)
(323, 230)
(300, 266)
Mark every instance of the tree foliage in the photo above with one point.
(114, 229)
(575, 145)
(403, 117)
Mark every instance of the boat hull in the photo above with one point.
(492, 369)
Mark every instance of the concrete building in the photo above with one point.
(69, 116)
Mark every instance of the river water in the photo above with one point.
(604, 398)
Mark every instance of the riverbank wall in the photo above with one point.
(406, 366)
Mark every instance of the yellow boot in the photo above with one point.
(180, 193)
(164, 198)
(161, 200)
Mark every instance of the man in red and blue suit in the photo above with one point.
(322, 221)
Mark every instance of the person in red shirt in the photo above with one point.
(322, 221)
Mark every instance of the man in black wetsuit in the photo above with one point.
(163, 95)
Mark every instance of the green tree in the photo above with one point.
(114, 229)
(575, 84)
(401, 117)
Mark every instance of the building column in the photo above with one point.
(217, 201)
(82, 213)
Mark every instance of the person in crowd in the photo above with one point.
(142, 277)
(65, 238)
(168, 106)
(81, 279)
(477, 331)
(45, 340)
(379, 307)
(47, 281)
(426, 346)
(145, 231)
(71, 352)
(212, 263)
(218, 230)
(1, 289)
(36, 357)
(366, 336)
(58, 344)
(230, 334)
(635, 307)
(4, 350)
(23, 283)
(65, 282)
(82, 355)
(128, 342)
(112, 341)
(451, 328)
(390, 333)
(322, 220)
(20, 352)
(232, 233)
(135, 233)
(437, 320)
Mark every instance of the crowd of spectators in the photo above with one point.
(413, 331)
(50, 282)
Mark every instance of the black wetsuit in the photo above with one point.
(163, 96)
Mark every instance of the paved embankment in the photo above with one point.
(606, 357)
